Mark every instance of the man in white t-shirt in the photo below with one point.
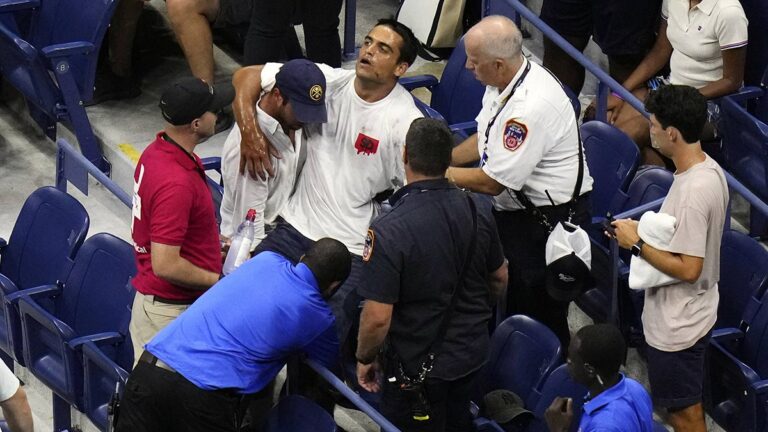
(351, 159)
(678, 318)
(13, 401)
(527, 145)
(295, 98)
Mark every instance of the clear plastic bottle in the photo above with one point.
(240, 250)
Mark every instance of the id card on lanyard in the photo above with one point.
(484, 157)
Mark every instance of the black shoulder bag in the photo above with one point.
(414, 387)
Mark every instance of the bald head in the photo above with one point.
(497, 37)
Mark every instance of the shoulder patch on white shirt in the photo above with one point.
(368, 247)
(514, 134)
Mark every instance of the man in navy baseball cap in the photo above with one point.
(302, 82)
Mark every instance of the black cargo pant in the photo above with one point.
(524, 238)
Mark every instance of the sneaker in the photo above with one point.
(109, 86)
(224, 120)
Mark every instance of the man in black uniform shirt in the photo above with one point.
(433, 267)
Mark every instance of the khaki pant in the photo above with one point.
(148, 317)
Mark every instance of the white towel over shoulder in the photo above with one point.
(656, 230)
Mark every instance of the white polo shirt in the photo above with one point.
(243, 192)
(533, 143)
(9, 384)
(350, 159)
(698, 37)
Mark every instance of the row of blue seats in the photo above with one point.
(66, 307)
(621, 186)
(740, 306)
(49, 51)
(66, 304)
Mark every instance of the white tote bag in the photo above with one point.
(435, 23)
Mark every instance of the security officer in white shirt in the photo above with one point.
(527, 146)
(295, 98)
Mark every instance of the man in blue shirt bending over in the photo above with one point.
(615, 403)
(197, 373)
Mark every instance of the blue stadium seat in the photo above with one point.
(559, 383)
(298, 414)
(745, 143)
(611, 272)
(523, 353)
(757, 49)
(612, 158)
(745, 140)
(54, 65)
(216, 187)
(48, 232)
(103, 368)
(458, 95)
(650, 183)
(736, 379)
(761, 105)
(92, 304)
(743, 278)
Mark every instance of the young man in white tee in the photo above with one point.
(678, 318)
(351, 159)
(295, 98)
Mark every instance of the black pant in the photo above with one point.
(157, 400)
(269, 34)
(524, 238)
(449, 403)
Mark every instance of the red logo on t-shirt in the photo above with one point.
(366, 144)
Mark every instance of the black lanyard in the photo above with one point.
(188, 154)
(484, 157)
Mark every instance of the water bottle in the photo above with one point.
(240, 250)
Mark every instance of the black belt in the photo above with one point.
(543, 208)
(149, 358)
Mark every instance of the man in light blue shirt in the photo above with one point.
(196, 374)
(615, 403)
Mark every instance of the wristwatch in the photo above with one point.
(637, 248)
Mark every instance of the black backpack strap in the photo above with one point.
(429, 361)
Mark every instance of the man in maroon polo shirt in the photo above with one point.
(174, 230)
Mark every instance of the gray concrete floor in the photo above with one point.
(27, 161)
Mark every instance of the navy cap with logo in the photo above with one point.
(302, 82)
(190, 98)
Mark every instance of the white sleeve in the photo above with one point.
(334, 76)
(241, 191)
(268, 76)
(9, 384)
(665, 10)
(731, 28)
(516, 148)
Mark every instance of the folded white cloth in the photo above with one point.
(656, 230)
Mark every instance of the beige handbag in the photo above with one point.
(436, 23)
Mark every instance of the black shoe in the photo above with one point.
(109, 86)
(224, 120)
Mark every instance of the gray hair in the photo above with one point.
(501, 37)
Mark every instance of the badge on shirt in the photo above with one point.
(368, 248)
(365, 144)
(514, 134)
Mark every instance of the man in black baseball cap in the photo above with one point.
(191, 98)
(174, 230)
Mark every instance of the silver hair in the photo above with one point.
(501, 37)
